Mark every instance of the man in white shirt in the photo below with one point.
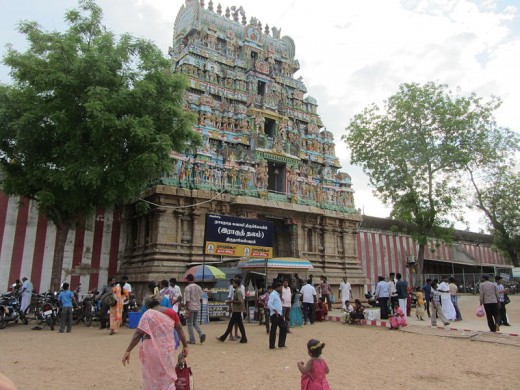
(128, 288)
(309, 302)
(175, 295)
(286, 302)
(27, 289)
(382, 295)
(393, 291)
(345, 289)
(447, 306)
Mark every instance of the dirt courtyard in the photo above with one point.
(358, 357)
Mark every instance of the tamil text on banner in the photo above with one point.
(238, 237)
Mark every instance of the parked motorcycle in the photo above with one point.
(93, 303)
(372, 301)
(47, 310)
(10, 310)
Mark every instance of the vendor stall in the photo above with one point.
(291, 268)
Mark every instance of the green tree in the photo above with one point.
(414, 150)
(498, 197)
(89, 120)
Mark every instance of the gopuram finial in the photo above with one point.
(228, 13)
(219, 9)
(210, 5)
(201, 3)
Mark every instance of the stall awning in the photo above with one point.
(277, 263)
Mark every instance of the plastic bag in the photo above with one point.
(480, 311)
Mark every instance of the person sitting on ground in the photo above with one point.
(358, 313)
(321, 310)
(397, 319)
(347, 309)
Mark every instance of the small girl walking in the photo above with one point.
(315, 370)
(419, 305)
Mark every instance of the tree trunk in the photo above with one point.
(514, 257)
(62, 231)
(419, 277)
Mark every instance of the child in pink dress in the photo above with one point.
(315, 370)
(398, 319)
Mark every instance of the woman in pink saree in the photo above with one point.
(157, 348)
(398, 319)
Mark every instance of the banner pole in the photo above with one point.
(203, 268)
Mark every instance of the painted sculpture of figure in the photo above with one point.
(259, 123)
(294, 187)
(261, 175)
(218, 177)
(245, 177)
(211, 177)
(232, 177)
(198, 174)
(187, 171)
(182, 172)
(305, 189)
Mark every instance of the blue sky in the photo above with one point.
(352, 53)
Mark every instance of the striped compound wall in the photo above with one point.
(27, 242)
(381, 252)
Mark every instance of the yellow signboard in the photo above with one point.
(225, 249)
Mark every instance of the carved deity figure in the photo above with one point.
(232, 177)
(198, 174)
(245, 177)
(261, 175)
(259, 124)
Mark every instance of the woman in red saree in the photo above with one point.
(156, 351)
(321, 310)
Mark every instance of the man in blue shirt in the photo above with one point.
(277, 320)
(427, 289)
(66, 298)
(382, 295)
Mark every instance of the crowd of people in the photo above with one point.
(438, 300)
(280, 309)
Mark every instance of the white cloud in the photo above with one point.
(352, 53)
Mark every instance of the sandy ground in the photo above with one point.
(358, 357)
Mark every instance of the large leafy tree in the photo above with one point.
(497, 195)
(414, 149)
(88, 120)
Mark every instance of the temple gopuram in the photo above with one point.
(266, 155)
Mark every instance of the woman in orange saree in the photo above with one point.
(157, 348)
(116, 311)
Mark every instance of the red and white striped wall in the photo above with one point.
(27, 241)
(381, 252)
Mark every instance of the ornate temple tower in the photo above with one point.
(265, 154)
